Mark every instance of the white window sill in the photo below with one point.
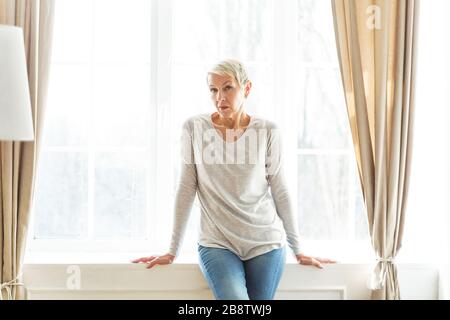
(120, 279)
(113, 276)
(121, 258)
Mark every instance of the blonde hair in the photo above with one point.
(236, 70)
(232, 68)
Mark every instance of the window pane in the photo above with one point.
(195, 39)
(122, 30)
(247, 30)
(361, 225)
(121, 105)
(316, 37)
(323, 119)
(189, 92)
(61, 196)
(72, 40)
(120, 195)
(261, 100)
(232, 28)
(323, 197)
(68, 106)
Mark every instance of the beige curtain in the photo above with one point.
(18, 159)
(376, 44)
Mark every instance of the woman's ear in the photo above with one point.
(248, 88)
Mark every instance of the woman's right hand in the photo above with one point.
(154, 260)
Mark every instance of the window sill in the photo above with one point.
(121, 258)
(114, 279)
(111, 275)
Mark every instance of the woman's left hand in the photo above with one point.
(314, 261)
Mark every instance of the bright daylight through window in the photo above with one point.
(119, 93)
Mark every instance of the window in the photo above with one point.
(330, 203)
(124, 80)
(427, 224)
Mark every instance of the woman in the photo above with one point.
(246, 213)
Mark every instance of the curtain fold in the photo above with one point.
(18, 160)
(376, 45)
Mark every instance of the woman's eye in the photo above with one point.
(228, 88)
(212, 90)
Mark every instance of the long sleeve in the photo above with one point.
(278, 186)
(186, 190)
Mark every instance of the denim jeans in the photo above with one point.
(230, 278)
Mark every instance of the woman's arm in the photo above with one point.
(185, 196)
(186, 190)
(280, 194)
(278, 187)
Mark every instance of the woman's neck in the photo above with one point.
(230, 123)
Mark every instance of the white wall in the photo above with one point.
(185, 281)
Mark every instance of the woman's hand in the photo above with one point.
(154, 260)
(314, 261)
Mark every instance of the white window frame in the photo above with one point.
(160, 46)
(158, 232)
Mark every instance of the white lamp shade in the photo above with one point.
(15, 106)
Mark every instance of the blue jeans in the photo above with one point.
(230, 278)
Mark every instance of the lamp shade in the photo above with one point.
(15, 105)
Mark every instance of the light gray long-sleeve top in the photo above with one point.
(245, 204)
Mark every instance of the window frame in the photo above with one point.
(158, 233)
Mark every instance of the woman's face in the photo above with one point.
(226, 94)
